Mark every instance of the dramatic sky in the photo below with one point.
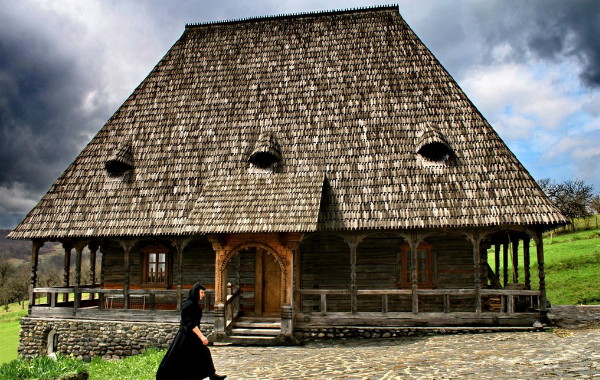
(531, 67)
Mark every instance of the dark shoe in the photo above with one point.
(218, 377)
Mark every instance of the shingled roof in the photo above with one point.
(345, 103)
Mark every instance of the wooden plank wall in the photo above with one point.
(325, 264)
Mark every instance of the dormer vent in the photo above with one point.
(432, 145)
(120, 162)
(267, 151)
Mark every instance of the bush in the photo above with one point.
(44, 368)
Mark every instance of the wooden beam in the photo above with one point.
(77, 297)
(497, 260)
(505, 264)
(127, 247)
(527, 263)
(93, 251)
(66, 269)
(35, 252)
(476, 241)
(515, 260)
(353, 244)
(414, 277)
(539, 241)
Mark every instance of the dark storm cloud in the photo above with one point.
(546, 29)
(42, 126)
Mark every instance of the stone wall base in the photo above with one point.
(321, 333)
(86, 339)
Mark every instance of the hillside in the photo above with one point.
(20, 249)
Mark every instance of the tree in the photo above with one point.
(572, 198)
(595, 203)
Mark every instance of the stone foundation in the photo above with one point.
(322, 333)
(85, 339)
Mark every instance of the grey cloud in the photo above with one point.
(546, 29)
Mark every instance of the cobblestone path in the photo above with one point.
(559, 354)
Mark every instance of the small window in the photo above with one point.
(120, 163)
(424, 266)
(432, 145)
(156, 266)
(267, 152)
(435, 151)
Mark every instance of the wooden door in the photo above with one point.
(268, 297)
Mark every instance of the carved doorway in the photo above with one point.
(268, 285)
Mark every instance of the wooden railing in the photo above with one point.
(232, 307)
(140, 299)
(507, 298)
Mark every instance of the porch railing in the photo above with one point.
(232, 306)
(507, 300)
(93, 297)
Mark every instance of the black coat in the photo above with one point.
(187, 358)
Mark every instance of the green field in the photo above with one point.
(9, 332)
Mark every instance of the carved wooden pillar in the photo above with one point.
(539, 243)
(497, 261)
(127, 246)
(297, 280)
(515, 256)
(414, 241)
(505, 263)
(220, 283)
(352, 242)
(527, 263)
(93, 251)
(66, 269)
(180, 244)
(476, 241)
(35, 252)
(77, 297)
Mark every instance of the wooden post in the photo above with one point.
(515, 260)
(414, 276)
(353, 244)
(476, 241)
(505, 263)
(76, 296)
(539, 243)
(93, 250)
(35, 252)
(127, 247)
(497, 260)
(180, 245)
(66, 269)
(297, 278)
(527, 263)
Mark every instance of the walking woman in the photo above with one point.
(188, 357)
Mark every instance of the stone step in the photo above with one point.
(255, 332)
(257, 325)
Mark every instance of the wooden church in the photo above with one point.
(318, 169)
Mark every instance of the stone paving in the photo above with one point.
(558, 354)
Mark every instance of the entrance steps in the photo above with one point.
(256, 331)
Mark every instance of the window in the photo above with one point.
(424, 266)
(156, 266)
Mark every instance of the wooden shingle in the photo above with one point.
(347, 95)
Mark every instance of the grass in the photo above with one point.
(9, 332)
(139, 367)
(41, 368)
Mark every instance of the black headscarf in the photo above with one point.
(194, 294)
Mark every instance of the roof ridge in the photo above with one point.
(294, 15)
